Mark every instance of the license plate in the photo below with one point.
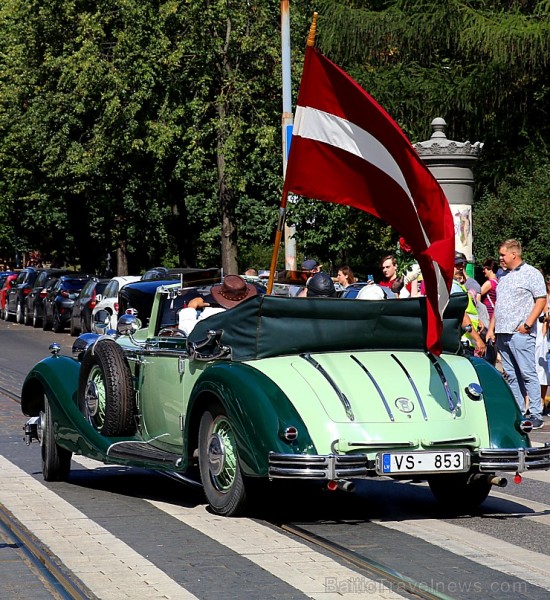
(392, 463)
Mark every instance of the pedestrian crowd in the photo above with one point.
(506, 318)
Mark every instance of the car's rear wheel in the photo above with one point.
(56, 461)
(7, 316)
(221, 475)
(57, 324)
(46, 323)
(19, 313)
(105, 392)
(36, 320)
(461, 492)
(72, 329)
(28, 316)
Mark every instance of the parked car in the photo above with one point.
(15, 296)
(86, 301)
(109, 301)
(3, 275)
(33, 302)
(7, 284)
(58, 302)
(277, 388)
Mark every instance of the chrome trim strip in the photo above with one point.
(345, 402)
(377, 445)
(473, 440)
(452, 406)
(374, 382)
(413, 385)
(165, 352)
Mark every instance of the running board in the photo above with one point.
(143, 452)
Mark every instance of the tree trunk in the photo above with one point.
(122, 258)
(227, 204)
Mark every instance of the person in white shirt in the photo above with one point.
(223, 296)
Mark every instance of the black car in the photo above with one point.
(15, 297)
(58, 302)
(81, 314)
(33, 309)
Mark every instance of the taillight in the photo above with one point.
(92, 301)
(26, 291)
(116, 307)
(64, 293)
(44, 293)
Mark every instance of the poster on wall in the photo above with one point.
(462, 217)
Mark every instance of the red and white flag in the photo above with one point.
(347, 149)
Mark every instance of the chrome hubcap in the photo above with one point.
(216, 455)
(91, 397)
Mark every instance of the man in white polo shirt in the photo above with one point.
(521, 298)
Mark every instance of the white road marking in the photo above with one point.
(107, 566)
(113, 570)
(277, 554)
(291, 561)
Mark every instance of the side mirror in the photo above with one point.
(101, 322)
(128, 325)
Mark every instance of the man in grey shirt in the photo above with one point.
(521, 298)
(471, 285)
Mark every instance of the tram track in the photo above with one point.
(54, 576)
(365, 565)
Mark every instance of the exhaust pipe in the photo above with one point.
(501, 482)
(341, 484)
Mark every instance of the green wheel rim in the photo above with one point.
(226, 477)
(96, 410)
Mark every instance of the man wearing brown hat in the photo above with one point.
(223, 296)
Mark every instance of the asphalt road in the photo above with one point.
(129, 533)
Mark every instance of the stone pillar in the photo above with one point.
(451, 164)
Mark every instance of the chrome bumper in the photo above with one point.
(357, 466)
(314, 466)
(513, 459)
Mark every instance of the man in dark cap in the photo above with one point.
(309, 267)
(228, 294)
(321, 286)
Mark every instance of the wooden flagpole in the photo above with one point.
(284, 198)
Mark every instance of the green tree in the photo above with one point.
(519, 208)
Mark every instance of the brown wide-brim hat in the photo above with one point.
(232, 291)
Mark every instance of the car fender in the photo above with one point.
(503, 414)
(259, 412)
(57, 377)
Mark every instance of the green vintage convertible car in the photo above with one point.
(282, 388)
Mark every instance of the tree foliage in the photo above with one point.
(150, 130)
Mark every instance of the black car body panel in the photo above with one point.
(33, 309)
(58, 302)
(81, 314)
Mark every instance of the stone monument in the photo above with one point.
(451, 163)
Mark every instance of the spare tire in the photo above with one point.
(105, 391)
